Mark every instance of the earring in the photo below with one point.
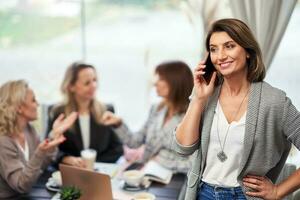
(247, 56)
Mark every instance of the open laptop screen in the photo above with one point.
(93, 185)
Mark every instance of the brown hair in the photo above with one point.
(12, 95)
(242, 35)
(70, 78)
(180, 80)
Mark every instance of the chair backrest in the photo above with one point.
(110, 107)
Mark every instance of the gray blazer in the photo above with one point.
(272, 124)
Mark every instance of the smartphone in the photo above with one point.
(209, 69)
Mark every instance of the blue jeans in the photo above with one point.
(210, 192)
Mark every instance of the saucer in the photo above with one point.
(52, 186)
(144, 185)
(144, 195)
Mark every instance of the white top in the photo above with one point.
(25, 151)
(84, 123)
(224, 173)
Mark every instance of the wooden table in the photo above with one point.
(163, 192)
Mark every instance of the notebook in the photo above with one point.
(94, 185)
(155, 172)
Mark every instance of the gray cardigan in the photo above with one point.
(272, 124)
(16, 174)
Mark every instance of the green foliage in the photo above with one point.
(32, 25)
(70, 193)
(18, 28)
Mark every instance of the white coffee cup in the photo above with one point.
(144, 196)
(89, 157)
(56, 177)
(133, 177)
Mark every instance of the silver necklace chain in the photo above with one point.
(221, 155)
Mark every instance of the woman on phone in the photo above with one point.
(236, 124)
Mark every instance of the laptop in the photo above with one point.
(93, 185)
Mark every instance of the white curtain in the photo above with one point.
(268, 20)
(201, 13)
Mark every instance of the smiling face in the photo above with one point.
(28, 109)
(86, 84)
(228, 57)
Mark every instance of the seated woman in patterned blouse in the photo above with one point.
(174, 83)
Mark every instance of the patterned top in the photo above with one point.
(157, 138)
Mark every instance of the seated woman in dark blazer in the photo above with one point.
(79, 90)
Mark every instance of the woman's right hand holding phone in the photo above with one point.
(202, 89)
(187, 132)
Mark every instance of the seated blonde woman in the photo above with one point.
(79, 88)
(22, 156)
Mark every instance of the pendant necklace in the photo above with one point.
(222, 155)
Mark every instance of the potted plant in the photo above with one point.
(70, 193)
